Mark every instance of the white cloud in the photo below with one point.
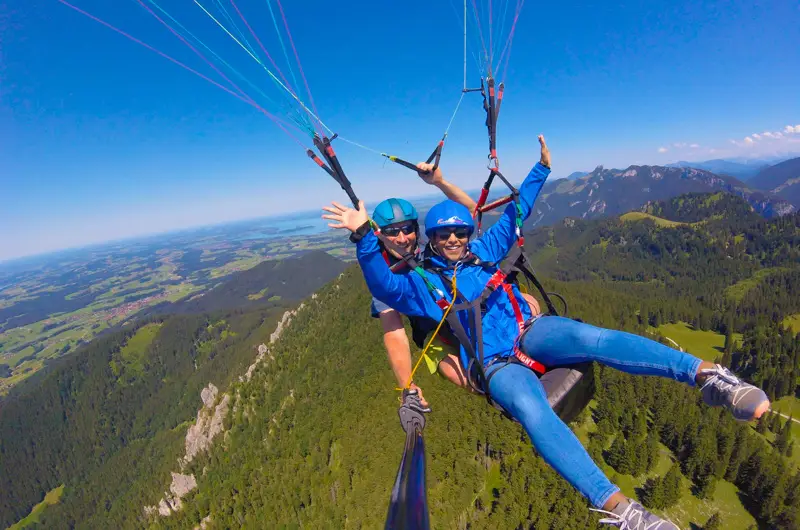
(768, 134)
(756, 136)
(694, 146)
(792, 130)
(662, 149)
(679, 145)
(748, 140)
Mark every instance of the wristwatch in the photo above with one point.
(360, 232)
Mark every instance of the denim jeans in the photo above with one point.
(555, 341)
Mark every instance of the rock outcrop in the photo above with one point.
(210, 423)
(171, 502)
(210, 420)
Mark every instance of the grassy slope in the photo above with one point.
(638, 216)
(793, 322)
(52, 497)
(737, 291)
(705, 344)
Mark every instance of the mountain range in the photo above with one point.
(781, 179)
(606, 192)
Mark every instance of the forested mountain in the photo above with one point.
(286, 280)
(313, 441)
(781, 179)
(122, 395)
(606, 192)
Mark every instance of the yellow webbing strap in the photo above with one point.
(424, 354)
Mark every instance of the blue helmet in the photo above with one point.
(394, 211)
(448, 214)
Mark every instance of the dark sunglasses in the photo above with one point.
(393, 231)
(444, 233)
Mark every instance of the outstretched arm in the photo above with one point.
(398, 349)
(498, 239)
(451, 191)
(395, 290)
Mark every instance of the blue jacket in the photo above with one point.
(408, 294)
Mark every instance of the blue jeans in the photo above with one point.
(555, 341)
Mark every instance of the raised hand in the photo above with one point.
(545, 158)
(426, 173)
(346, 217)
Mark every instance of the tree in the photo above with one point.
(761, 425)
(706, 486)
(714, 522)
(783, 442)
(672, 485)
(618, 455)
(774, 422)
(652, 450)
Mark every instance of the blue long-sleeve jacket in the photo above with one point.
(408, 294)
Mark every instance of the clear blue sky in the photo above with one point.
(101, 138)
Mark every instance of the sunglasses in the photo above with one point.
(444, 233)
(393, 231)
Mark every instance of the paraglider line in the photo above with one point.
(247, 100)
(256, 59)
(453, 117)
(258, 41)
(491, 47)
(504, 19)
(509, 41)
(465, 46)
(299, 66)
(283, 46)
(458, 21)
(298, 119)
(480, 31)
(228, 17)
(187, 43)
(361, 146)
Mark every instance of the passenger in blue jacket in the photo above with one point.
(550, 340)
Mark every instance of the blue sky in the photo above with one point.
(101, 138)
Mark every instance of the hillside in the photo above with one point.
(781, 179)
(286, 280)
(131, 392)
(312, 439)
(606, 192)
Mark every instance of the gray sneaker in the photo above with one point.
(630, 515)
(722, 388)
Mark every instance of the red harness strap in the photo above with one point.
(533, 364)
(497, 279)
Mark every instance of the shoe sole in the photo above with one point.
(761, 410)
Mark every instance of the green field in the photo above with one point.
(133, 352)
(793, 322)
(52, 497)
(639, 216)
(737, 291)
(704, 344)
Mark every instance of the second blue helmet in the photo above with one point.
(448, 214)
